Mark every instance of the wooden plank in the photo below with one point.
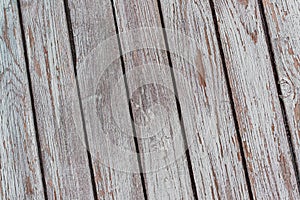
(283, 19)
(107, 120)
(256, 100)
(59, 122)
(153, 102)
(20, 173)
(203, 94)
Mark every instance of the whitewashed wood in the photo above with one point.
(20, 174)
(58, 115)
(93, 23)
(203, 94)
(283, 18)
(152, 98)
(256, 100)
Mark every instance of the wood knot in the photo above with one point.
(286, 88)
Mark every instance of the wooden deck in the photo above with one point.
(141, 99)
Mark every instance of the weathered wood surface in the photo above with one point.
(107, 122)
(20, 172)
(203, 94)
(256, 100)
(283, 18)
(56, 102)
(153, 102)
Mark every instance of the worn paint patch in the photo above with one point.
(296, 62)
(200, 69)
(254, 36)
(290, 50)
(244, 2)
(29, 189)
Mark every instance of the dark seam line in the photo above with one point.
(32, 100)
(129, 103)
(232, 105)
(279, 91)
(178, 106)
(74, 59)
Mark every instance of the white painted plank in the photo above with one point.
(20, 173)
(59, 120)
(104, 99)
(203, 94)
(256, 100)
(152, 97)
(283, 19)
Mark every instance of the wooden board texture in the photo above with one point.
(256, 100)
(59, 122)
(203, 94)
(93, 24)
(20, 172)
(153, 101)
(139, 99)
(283, 18)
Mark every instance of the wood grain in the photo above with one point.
(59, 122)
(256, 100)
(107, 116)
(153, 101)
(283, 18)
(203, 94)
(20, 173)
